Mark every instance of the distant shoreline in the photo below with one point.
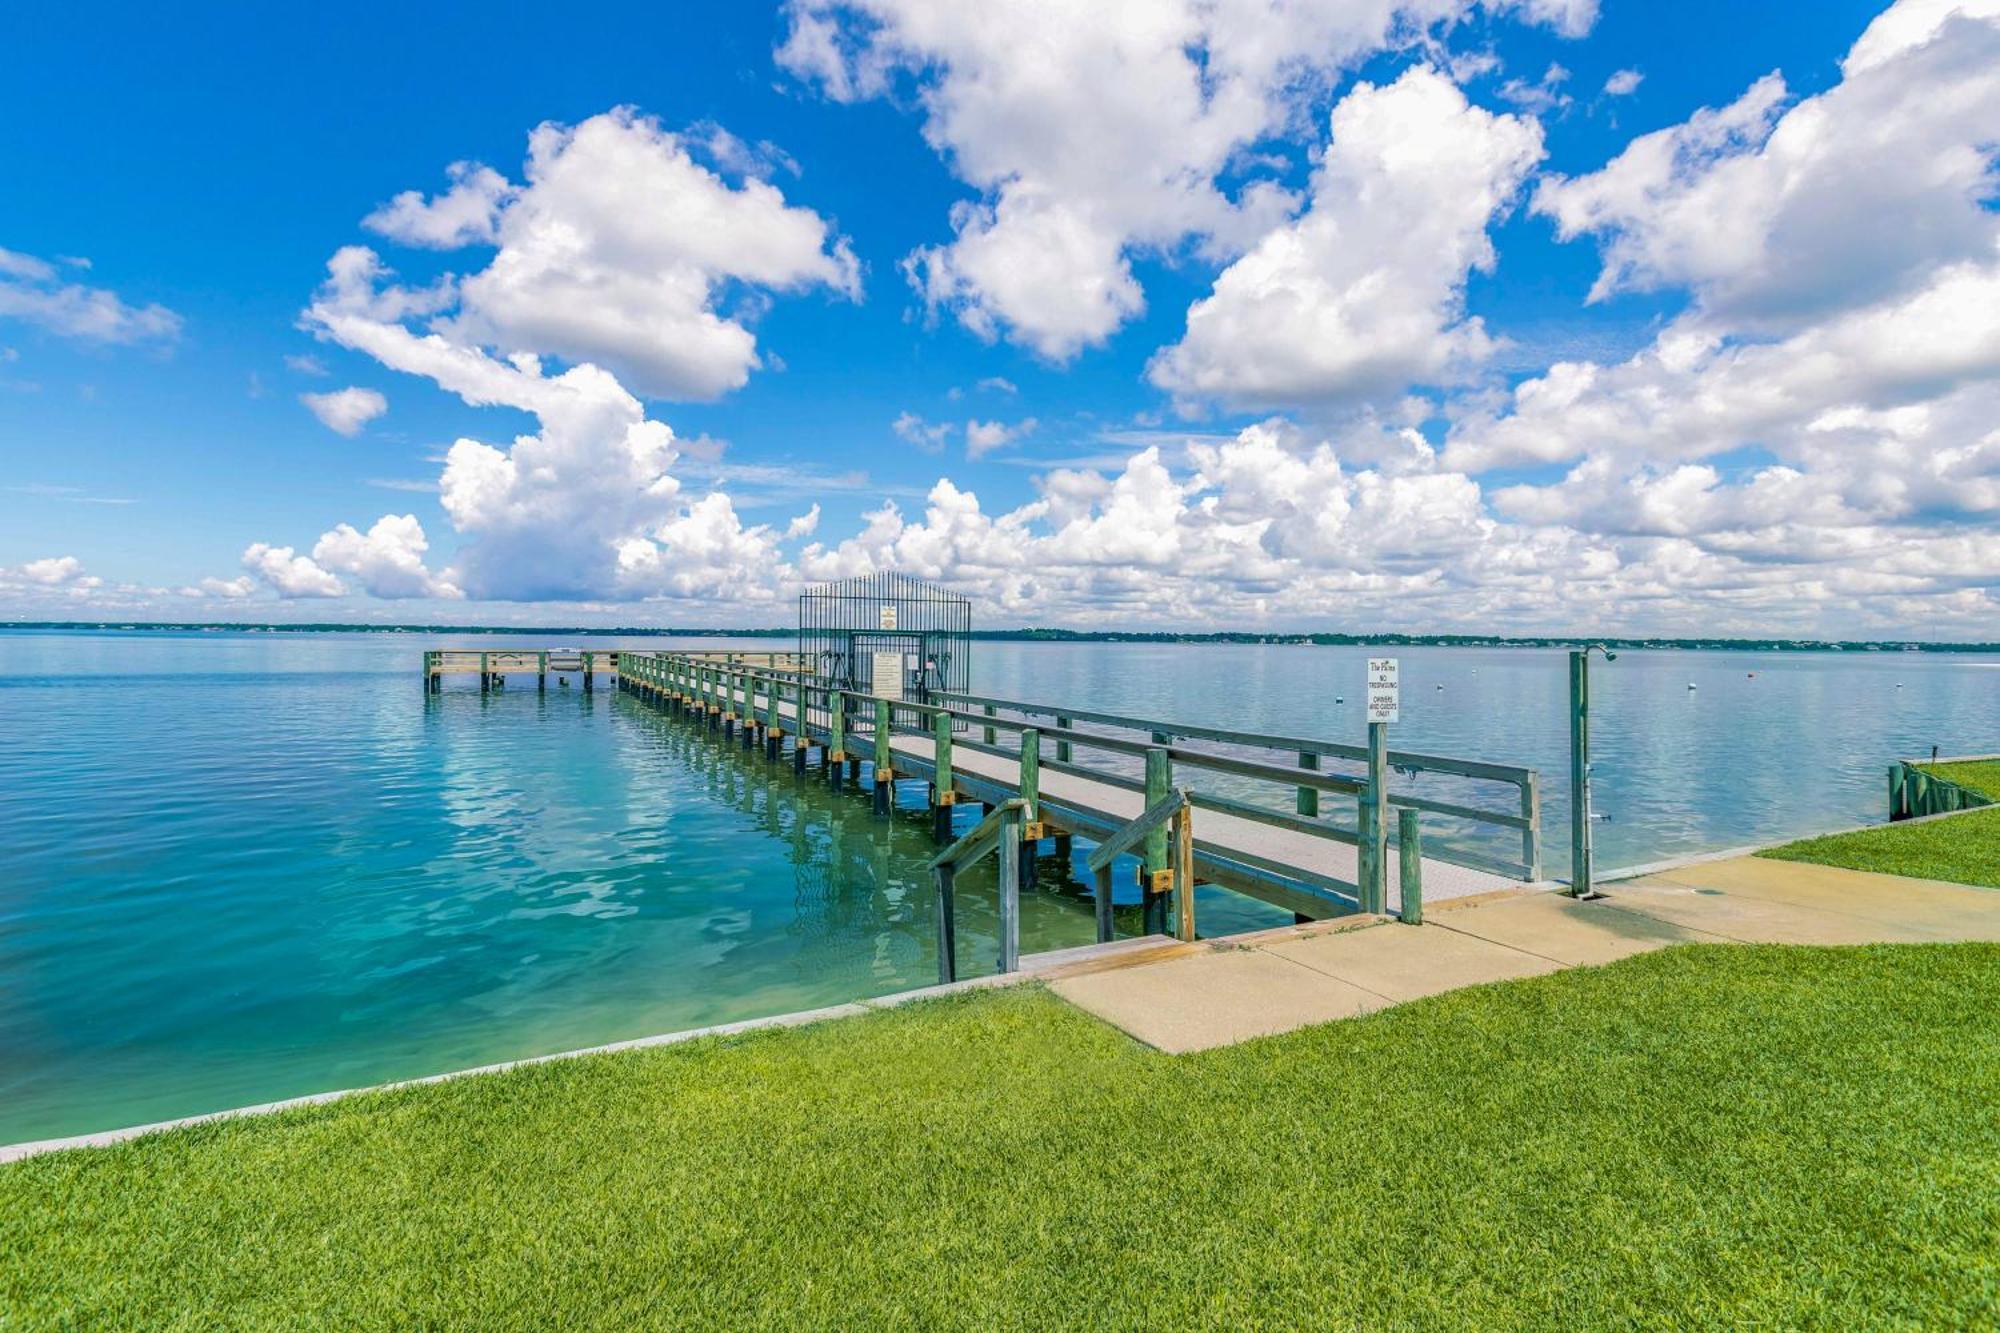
(1056, 636)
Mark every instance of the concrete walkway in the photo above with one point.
(1230, 990)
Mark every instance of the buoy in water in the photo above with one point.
(1693, 686)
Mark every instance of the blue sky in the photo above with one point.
(210, 166)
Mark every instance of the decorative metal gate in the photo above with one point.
(888, 635)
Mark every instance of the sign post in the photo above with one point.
(1384, 707)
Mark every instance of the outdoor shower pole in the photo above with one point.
(1582, 874)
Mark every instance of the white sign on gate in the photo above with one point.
(888, 616)
(1384, 692)
(887, 672)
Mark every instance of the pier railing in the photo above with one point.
(1525, 799)
(849, 727)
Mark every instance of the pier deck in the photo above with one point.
(1279, 865)
(966, 748)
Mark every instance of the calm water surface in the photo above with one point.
(238, 867)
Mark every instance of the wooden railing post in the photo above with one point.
(944, 793)
(1410, 860)
(1375, 893)
(1531, 836)
(1308, 796)
(989, 730)
(1031, 773)
(1010, 892)
(1183, 841)
(1153, 867)
(836, 737)
(1062, 746)
(885, 765)
(947, 932)
(1102, 893)
(774, 721)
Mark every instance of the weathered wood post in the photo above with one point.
(1062, 746)
(1101, 891)
(1377, 887)
(885, 768)
(989, 731)
(1153, 870)
(774, 722)
(836, 738)
(485, 676)
(589, 675)
(944, 792)
(542, 672)
(947, 927)
(1410, 861)
(1308, 796)
(1531, 834)
(1031, 798)
(1010, 891)
(1183, 840)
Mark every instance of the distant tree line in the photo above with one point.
(1050, 635)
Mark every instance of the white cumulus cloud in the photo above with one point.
(617, 250)
(1096, 130)
(1365, 292)
(288, 573)
(346, 411)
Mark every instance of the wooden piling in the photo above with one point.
(1153, 872)
(1010, 898)
(885, 771)
(947, 932)
(1410, 860)
(1101, 892)
(1376, 890)
(944, 793)
(1183, 839)
(1308, 803)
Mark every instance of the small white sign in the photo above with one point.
(888, 617)
(887, 670)
(1384, 691)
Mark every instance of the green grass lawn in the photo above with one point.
(1982, 775)
(1757, 1136)
(1964, 849)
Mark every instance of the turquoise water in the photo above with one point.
(239, 867)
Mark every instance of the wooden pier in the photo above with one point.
(1044, 774)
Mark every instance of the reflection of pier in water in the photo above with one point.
(856, 876)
